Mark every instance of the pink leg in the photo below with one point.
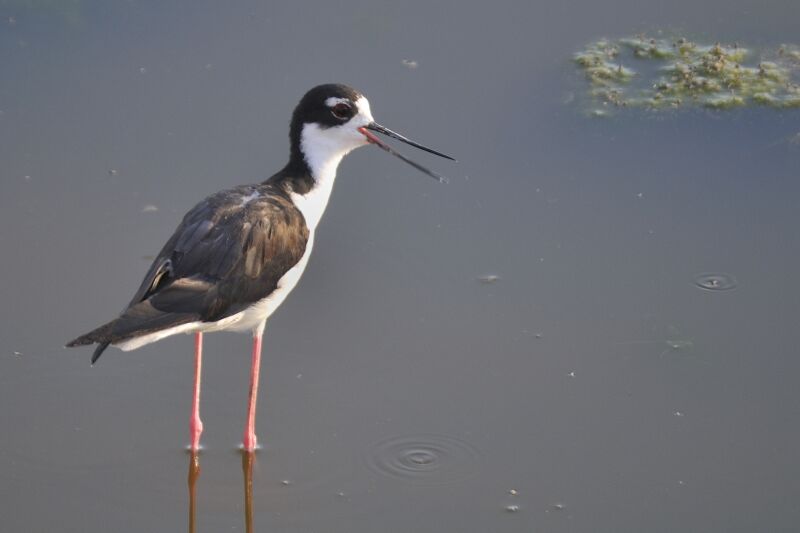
(249, 441)
(195, 424)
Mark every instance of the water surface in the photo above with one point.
(597, 376)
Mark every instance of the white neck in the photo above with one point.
(323, 152)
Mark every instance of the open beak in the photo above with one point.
(380, 144)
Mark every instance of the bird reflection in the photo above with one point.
(248, 458)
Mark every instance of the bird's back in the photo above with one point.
(229, 252)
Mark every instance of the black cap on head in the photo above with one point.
(314, 109)
(334, 104)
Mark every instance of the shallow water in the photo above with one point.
(601, 375)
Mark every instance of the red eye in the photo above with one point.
(341, 111)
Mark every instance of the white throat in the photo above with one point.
(323, 158)
(323, 149)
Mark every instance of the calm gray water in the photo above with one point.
(595, 378)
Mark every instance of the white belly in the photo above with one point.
(253, 318)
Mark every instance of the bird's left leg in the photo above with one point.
(195, 424)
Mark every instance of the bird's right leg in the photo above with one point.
(249, 442)
(195, 424)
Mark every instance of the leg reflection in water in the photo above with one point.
(248, 458)
(194, 473)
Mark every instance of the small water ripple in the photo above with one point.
(424, 459)
(715, 281)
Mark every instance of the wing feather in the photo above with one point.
(229, 251)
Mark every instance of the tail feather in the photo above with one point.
(138, 320)
(99, 351)
(101, 334)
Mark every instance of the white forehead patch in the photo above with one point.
(332, 101)
(363, 108)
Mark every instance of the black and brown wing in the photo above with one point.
(229, 252)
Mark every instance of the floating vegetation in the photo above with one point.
(662, 73)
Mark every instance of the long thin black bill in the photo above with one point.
(385, 147)
(386, 131)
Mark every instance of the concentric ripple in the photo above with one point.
(424, 459)
(715, 281)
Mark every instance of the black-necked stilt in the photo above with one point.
(237, 254)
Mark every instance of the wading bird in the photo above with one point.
(237, 254)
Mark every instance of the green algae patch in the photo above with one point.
(664, 73)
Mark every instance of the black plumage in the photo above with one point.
(232, 249)
(238, 253)
(228, 253)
